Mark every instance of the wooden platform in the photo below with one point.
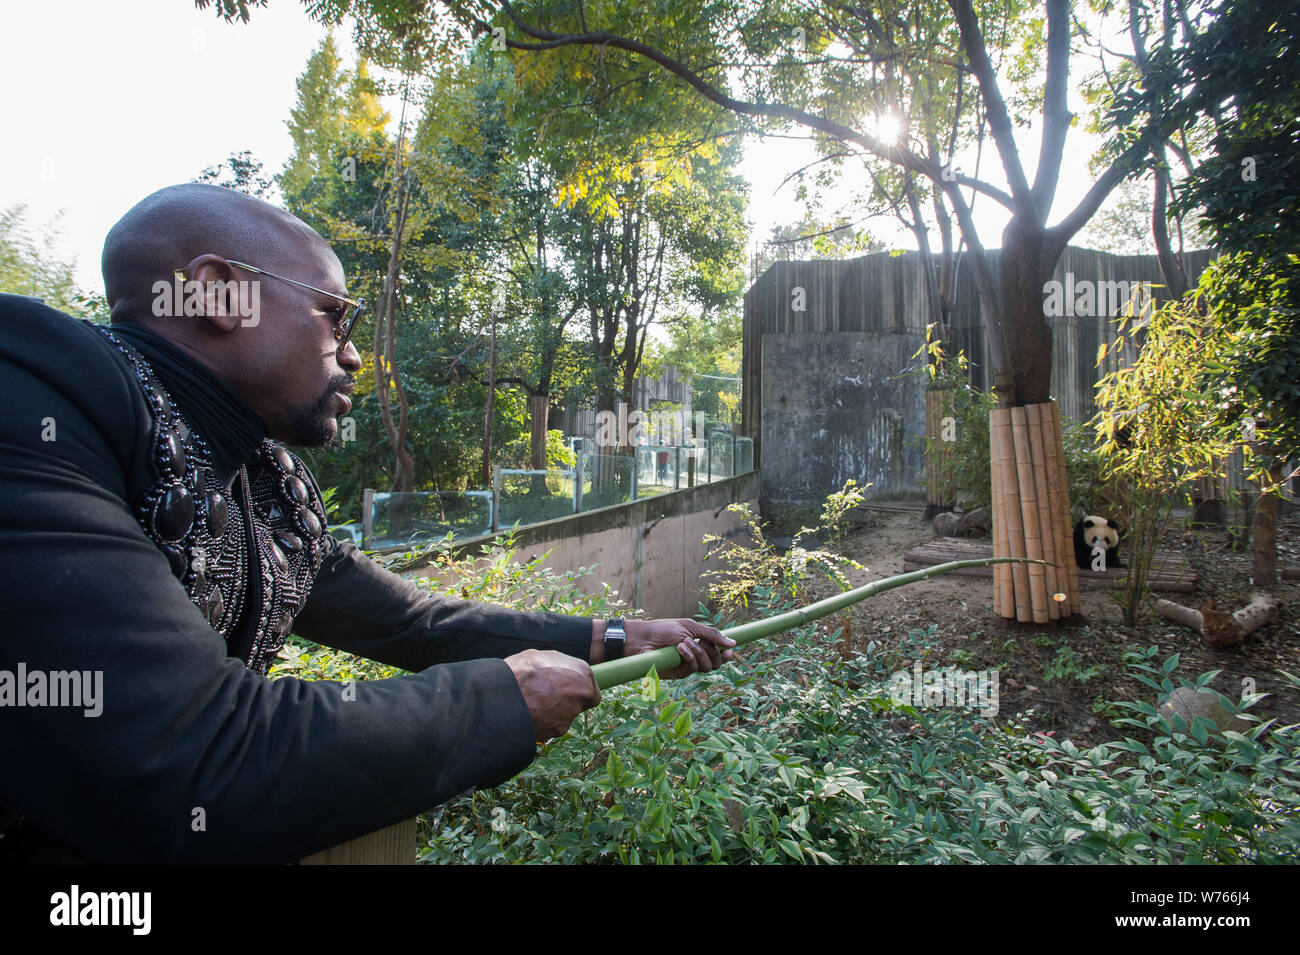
(1171, 571)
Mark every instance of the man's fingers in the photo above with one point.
(699, 660)
(711, 635)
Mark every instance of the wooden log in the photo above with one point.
(1187, 617)
(1219, 629)
(1261, 610)
(1039, 443)
(1035, 599)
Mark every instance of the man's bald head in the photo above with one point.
(281, 357)
(175, 225)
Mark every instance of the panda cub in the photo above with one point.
(1090, 532)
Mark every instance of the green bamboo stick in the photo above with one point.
(614, 672)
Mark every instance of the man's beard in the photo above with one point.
(313, 426)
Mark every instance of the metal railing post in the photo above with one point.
(367, 516)
(577, 484)
(496, 498)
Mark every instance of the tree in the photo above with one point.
(240, 171)
(805, 65)
(819, 85)
(30, 264)
(1239, 77)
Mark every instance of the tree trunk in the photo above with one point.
(1265, 528)
(1031, 510)
(386, 328)
(539, 409)
(489, 405)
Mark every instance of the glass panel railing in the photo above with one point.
(405, 518)
(607, 479)
(530, 497)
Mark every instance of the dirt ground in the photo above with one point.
(1062, 677)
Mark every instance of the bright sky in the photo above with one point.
(106, 102)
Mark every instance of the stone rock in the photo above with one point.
(976, 523)
(1189, 703)
(945, 525)
(858, 516)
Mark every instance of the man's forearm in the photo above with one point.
(358, 606)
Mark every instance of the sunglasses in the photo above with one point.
(343, 325)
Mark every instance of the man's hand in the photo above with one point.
(702, 647)
(556, 687)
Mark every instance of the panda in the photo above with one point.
(1089, 532)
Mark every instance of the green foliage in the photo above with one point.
(1249, 370)
(30, 265)
(754, 565)
(800, 756)
(1067, 666)
(839, 504)
(969, 408)
(1090, 491)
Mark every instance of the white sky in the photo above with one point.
(102, 107)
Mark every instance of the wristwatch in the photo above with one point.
(615, 639)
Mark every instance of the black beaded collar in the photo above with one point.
(246, 549)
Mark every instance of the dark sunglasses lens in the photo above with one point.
(349, 322)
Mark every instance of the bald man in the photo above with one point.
(157, 547)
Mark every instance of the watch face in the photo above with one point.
(615, 639)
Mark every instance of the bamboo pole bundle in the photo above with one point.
(1015, 601)
(940, 490)
(1036, 595)
(1000, 571)
(1040, 444)
(1065, 541)
(1058, 504)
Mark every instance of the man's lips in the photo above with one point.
(347, 402)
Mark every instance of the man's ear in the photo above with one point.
(220, 291)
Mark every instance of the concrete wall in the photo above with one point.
(650, 551)
(808, 322)
(835, 408)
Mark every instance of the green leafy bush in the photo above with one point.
(798, 756)
(799, 753)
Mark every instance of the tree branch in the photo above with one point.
(1056, 113)
(995, 108)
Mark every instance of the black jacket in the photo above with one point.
(194, 756)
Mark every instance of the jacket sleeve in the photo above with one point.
(177, 752)
(358, 606)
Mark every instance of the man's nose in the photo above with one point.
(349, 357)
